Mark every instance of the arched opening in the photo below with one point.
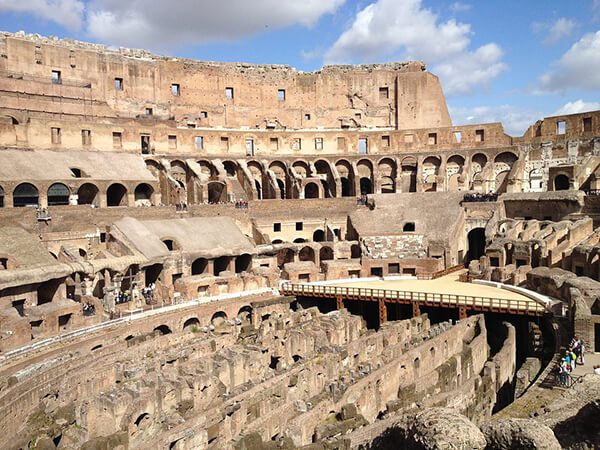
(217, 192)
(325, 253)
(218, 319)
(299, 240)
(142, 420)
(281, 186)
(152, 274)
(162, 330)
(58, 194)
(25, 194)
(408, 227)
(258, 187)
(230, 168)
(318, 236)
(366, 186)
(1, 197)
(306, 254)
(408, 174)
(221, 264)
(171, 244)
(243, 263)
(326, 189)
(476, 238)
(355, 251)
(116, 195)
(192, 324)
(561, 183)
(143, 195)
(199, 266)
(347, 187)
(284, 256)
(311, 190)
(245, 314)
(87, 194)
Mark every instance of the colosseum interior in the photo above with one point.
(202, 255)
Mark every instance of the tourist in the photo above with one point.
(597, 370)
(581, 358)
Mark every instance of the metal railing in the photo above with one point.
(517, 306)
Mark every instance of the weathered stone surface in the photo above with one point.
(519, 434)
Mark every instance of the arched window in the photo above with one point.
(561, 183)
(116, 195)
(58, 194)
(143, 194)
(311, 190)
(87, 194)
(25, 194)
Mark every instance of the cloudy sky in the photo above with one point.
(512, 61)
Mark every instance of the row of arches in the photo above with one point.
(27, 194)
(340, 177)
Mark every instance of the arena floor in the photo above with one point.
(448, 284)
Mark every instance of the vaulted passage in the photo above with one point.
(476, 238)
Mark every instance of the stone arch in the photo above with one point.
(245, 314)
(279, 170)
(306, 254)
(408, 174)
(311, 190)
(561, 182)
(347, 179)
(324, 171)
(364, 169)
(116, 195)
(285, 255)
(191, 324)
(536, 180)
(301, 168)
(218, 319)
(431, 170)
(208, 172)
(162, 330)
(199, 266)
(217, 192)
(231, 168)
(221, 264)
(503, 163)
(143, 194)
(318, 235)
(171, 243)
(87, 194)
(243, 263)
(58, 194)
(257, 174)
(386, 170)
(25, 194)
(325, 253)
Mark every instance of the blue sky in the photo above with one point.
(510, 61)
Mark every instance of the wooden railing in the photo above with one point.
(516, 306)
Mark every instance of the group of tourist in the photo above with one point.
(574, 355)
(478, 197)
(89, 309)
(122, 297)
(148, 293)
(181, 206)
(241, 204)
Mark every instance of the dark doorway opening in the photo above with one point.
(561, 183)
(476, 238)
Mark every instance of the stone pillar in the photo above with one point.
(382, 312)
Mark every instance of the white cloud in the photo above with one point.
(394, 29)
(458, 7)
(578, 106)
(515, 120)
(68, 13)
(555, 31)
(160, 24)
(578, 68)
